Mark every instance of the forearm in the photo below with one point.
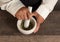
(46, 7)
(12, 6)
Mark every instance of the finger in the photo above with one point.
(37, 28)
(30, 15)
(25, 17)
(25, 14)
(35, 15)
(19, 17)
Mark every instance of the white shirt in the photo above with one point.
(12, 6)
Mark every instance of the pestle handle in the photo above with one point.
(27, 22)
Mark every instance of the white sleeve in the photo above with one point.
(4, 0)
(12, 6)
(46, 7)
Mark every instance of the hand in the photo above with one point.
(23, 14)
(39, 20)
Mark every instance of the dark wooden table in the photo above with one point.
(49, 30)
(51, 25)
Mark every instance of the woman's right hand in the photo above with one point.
(23, 14)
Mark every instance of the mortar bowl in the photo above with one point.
(30, 29)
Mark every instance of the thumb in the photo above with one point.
(30, 15)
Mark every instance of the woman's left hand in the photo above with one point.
(39, 20)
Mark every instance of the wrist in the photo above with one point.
(41, 19)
